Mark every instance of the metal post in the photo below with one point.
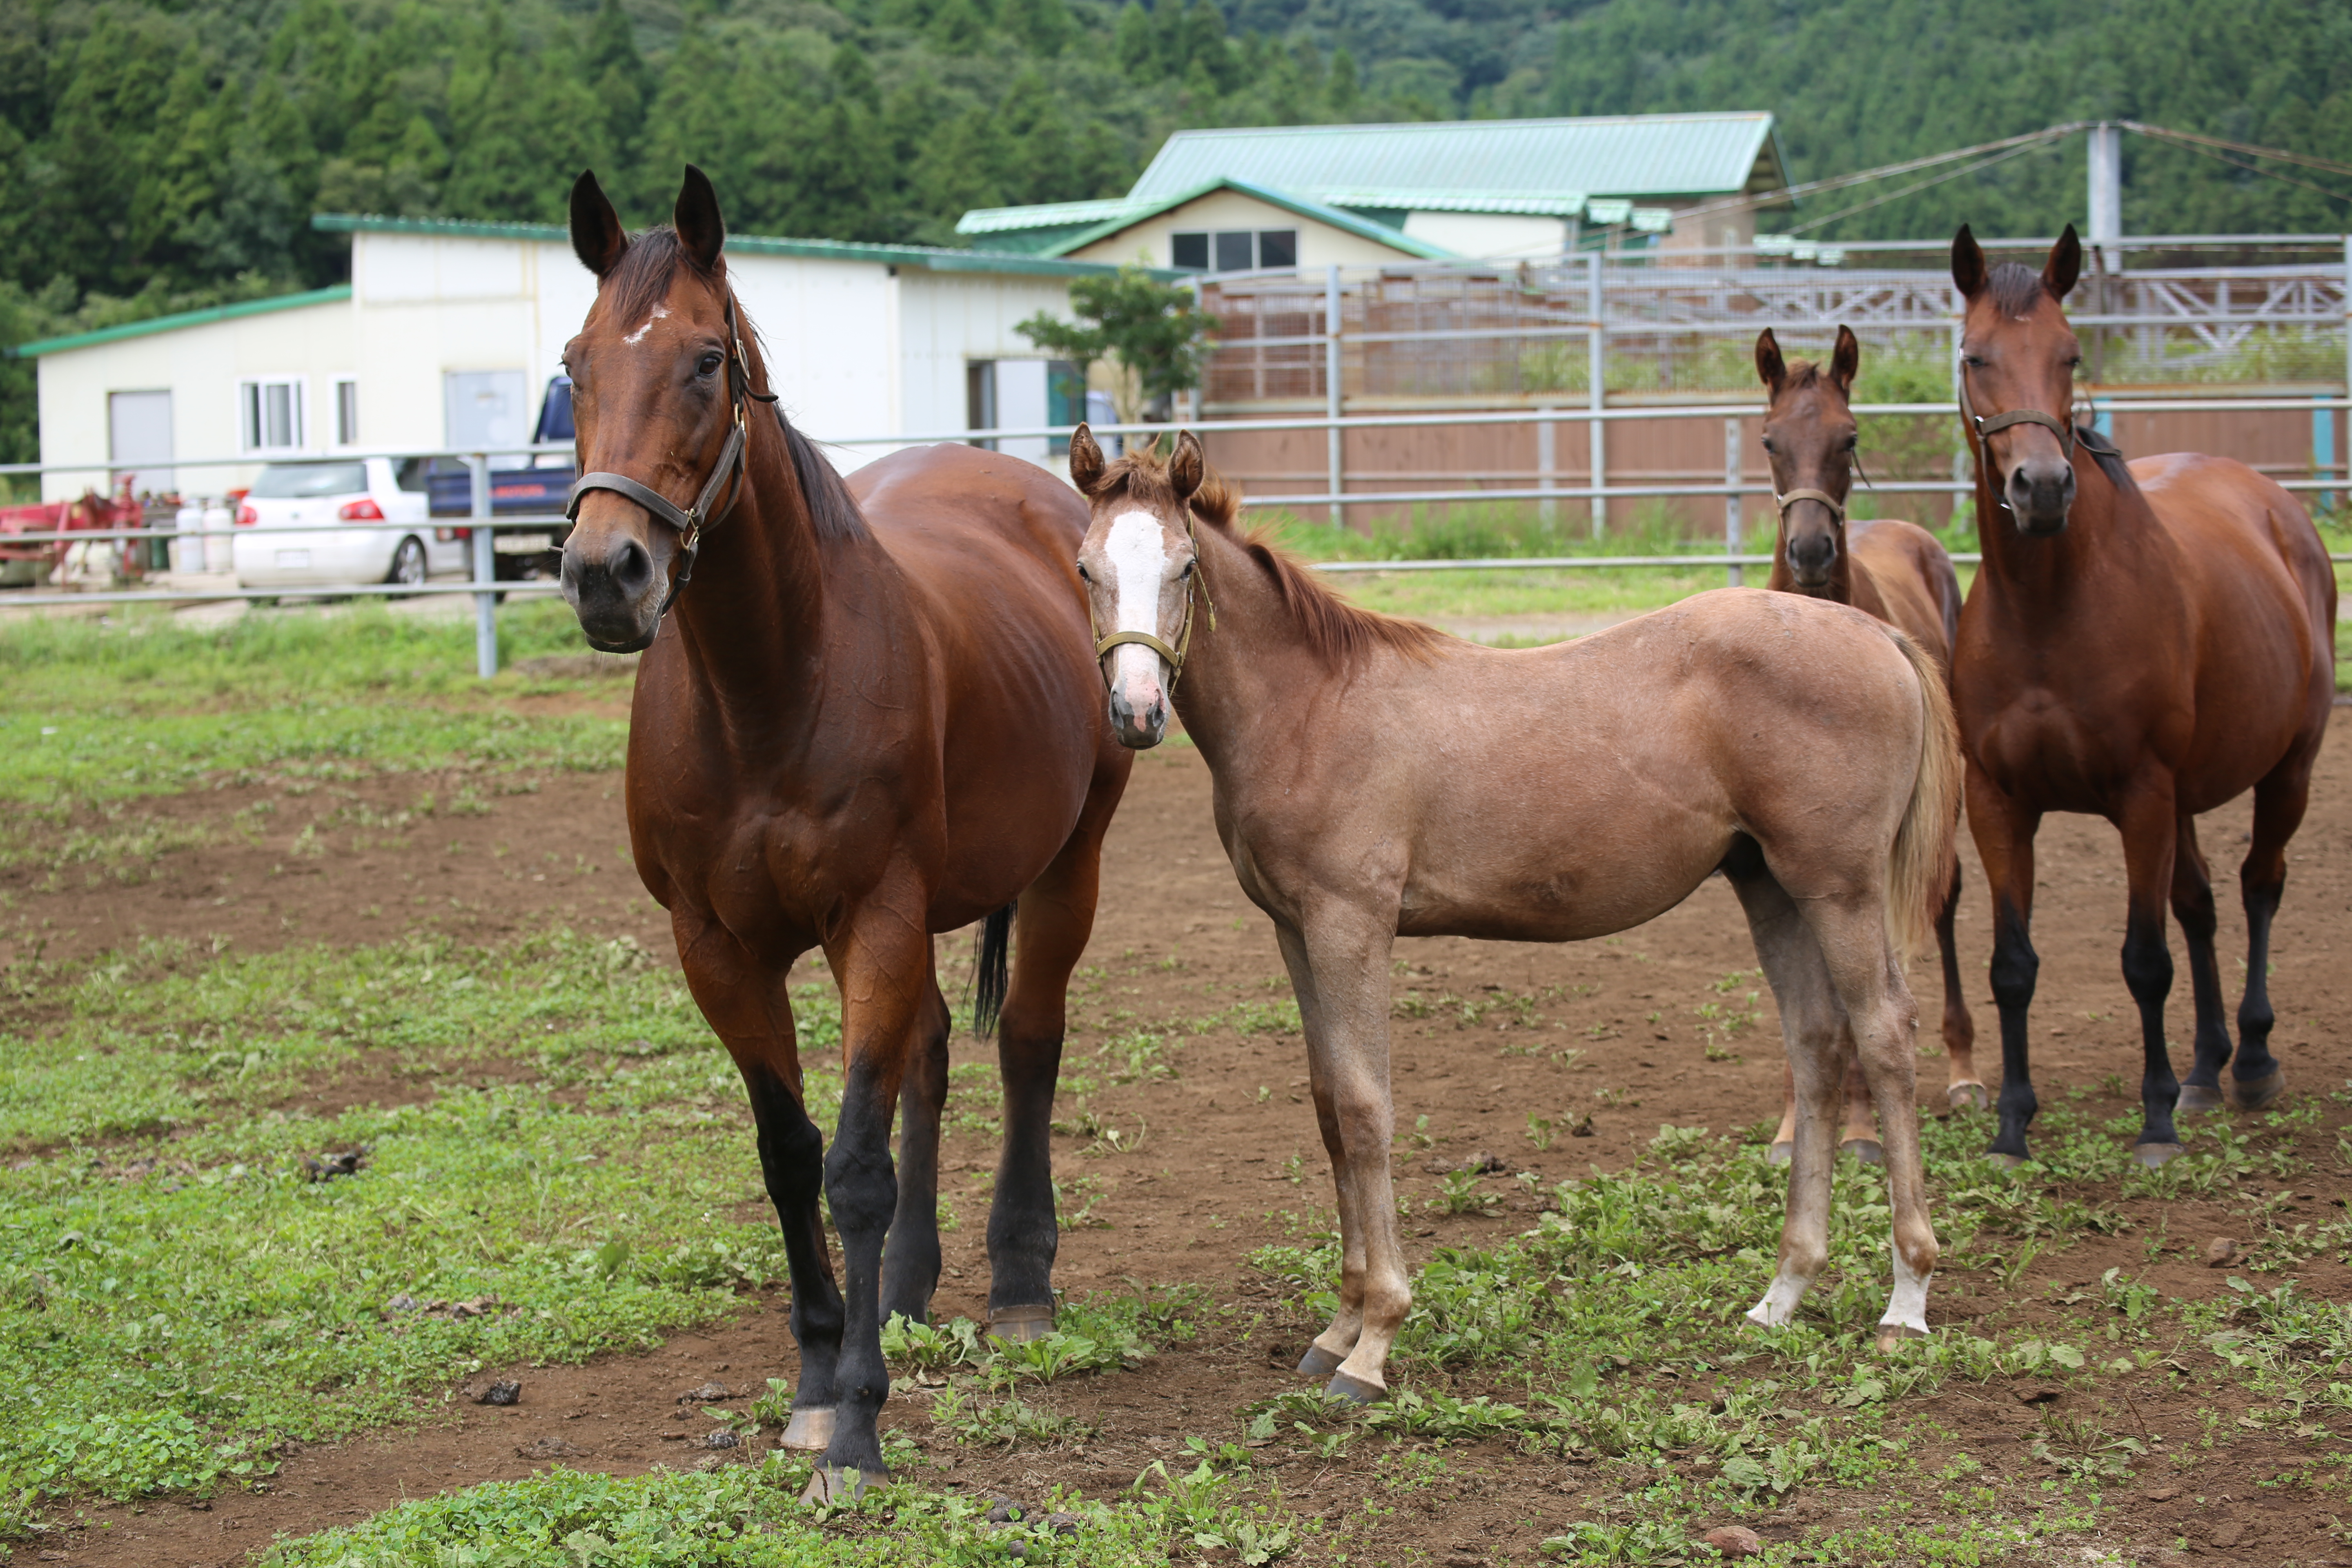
(1731, 456)
(2106, 194)
(1596, 358)
(1547, 463)
(1331, 399)
(486, 572)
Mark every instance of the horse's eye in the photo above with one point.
(1770, 447)
(709, 364)
(1972, 362)
(1085, 575)
(1852, 442)
(1186, 572)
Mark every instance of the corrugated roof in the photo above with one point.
(334, 295)
(991, 220)
(1471, 166)
(934, 258)
(1135, 212)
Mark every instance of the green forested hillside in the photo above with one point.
(157, 154)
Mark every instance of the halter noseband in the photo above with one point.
(1837, 507)
(1194, 581)
(728, 474)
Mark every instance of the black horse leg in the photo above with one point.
(910, 1261)
(791, 1161)
(2192, 906)
(2279, 802)
(2015, 968)
(2151, 834)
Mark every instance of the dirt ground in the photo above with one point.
(1211, 1177)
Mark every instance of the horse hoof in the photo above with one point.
(1893, 1336)
(1966, 1095)
(1865, 1149)
(831, 1486)
(2005, 1162)
(2153, 1154)
(1021, 1324)
(1780, 1153)
(2253, 1095)
(2196, 1097)
(1345, 1389)
(1318, 1362)
(810, 1428)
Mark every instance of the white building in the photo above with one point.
(448, 332)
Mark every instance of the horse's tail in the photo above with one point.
(989, 987)
(1919, 870)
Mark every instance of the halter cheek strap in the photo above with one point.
(726, 475)
(1194, 581)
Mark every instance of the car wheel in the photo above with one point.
(408, 564)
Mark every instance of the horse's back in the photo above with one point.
(2221, 501)
(1915, 578)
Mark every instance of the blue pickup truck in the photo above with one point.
(536, 487)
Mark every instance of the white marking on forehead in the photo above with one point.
(633, 338)
(1137, 549)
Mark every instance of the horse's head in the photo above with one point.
(1138, 562)
(657, 386)
(1809, 438)
(2018, 358)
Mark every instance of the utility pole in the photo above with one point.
(2106, 164)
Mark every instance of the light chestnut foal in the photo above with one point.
(1375, 778)
(1892, 570)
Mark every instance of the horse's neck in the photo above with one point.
(753, 620)
(2108, 533)
(1244, 671)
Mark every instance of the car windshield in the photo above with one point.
(296, 481)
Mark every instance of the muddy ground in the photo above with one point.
(1208, 1173)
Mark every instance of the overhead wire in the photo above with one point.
(1882, 199)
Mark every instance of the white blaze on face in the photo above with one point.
(633, 338)
(1138, 551)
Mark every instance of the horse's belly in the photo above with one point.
(1552, 896)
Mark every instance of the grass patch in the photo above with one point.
(144, 704)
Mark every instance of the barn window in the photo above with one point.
(272, 414)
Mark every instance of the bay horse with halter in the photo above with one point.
(1884, 567)
(2144, 642)
(874, 717)
(1375, 779)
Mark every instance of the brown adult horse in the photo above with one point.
(1892, 570)
(873, 717)
(1375, 778)
(2143, 642)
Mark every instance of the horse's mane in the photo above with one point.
(642, 279)
(1340, 632)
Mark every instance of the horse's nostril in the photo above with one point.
(631, 566)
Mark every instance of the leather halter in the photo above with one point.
(1837, 507)
(1999, 422)
(727, 474)
(1194, 581)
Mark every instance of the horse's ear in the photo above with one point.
(1771, 368)
(1188, 467)
(695, 217)
(597, 238)
(2065, 264)
(1086, 460)
(1967, 264)
(1846, 360)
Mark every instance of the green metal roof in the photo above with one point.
(339, 292)
(1481, 166)
(1045, 215)
(932, 257)
(1363, 228)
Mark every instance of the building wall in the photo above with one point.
(201, 367)
(1319, 244)
(1490, 236)
(949, 319)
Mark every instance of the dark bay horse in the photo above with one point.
(2144, 641)
(1375, 779)
(1892, 570)
(873, 716)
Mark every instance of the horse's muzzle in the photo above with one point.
(2039, 494)
(613, 585)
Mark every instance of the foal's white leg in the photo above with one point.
(1349, 1058)
(1886, 1020)
(1332, 1346)
(1812, 1027)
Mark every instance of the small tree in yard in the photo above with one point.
(1154, 335)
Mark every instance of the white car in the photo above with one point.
(372, 526)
